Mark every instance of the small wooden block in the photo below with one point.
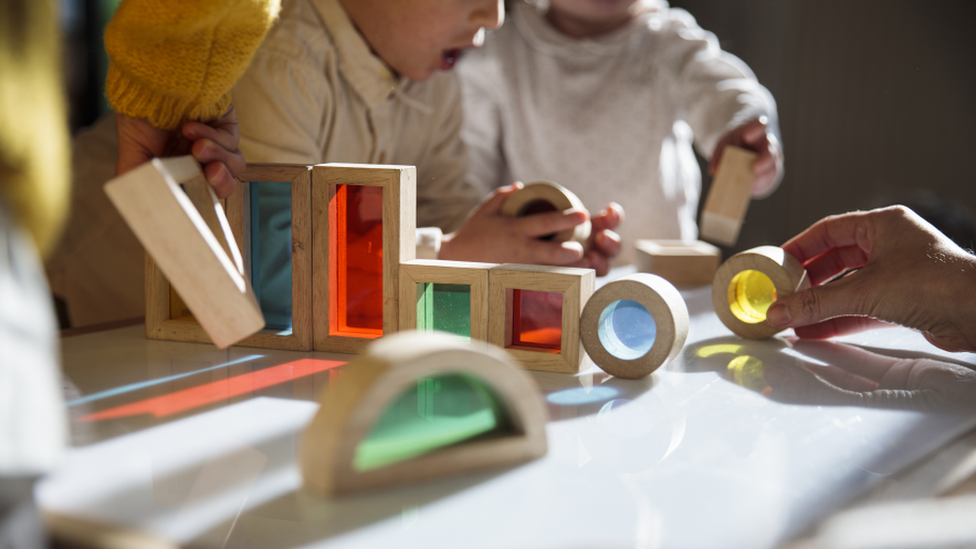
(574, 285)
(81, 533)
(392, 367)
(625, 356)
(741, 298)
(543, 196)
(678, 261)
(728, 198)
(180, 236)
(474, 275)
(353, 281)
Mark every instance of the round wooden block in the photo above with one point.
(603, 343)
(738, 287)
(544, 196)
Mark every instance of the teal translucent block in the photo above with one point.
(271, 252)
(444, 307)
(439, 412)
(626, 329)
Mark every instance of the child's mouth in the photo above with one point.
(449, 58)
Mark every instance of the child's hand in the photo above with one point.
(489, 237)
(755, 136)
(603, 244)
(213, 144)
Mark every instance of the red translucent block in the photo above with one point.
(537, 320)
(356, 261)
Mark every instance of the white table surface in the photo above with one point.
(684, 458)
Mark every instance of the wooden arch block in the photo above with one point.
(678, 261)
(463, 278)
(534, 312)
(544, 196)
(728, 198)
(186, 233)
(749, 282)
(363, 226)
(332, 453)
(627, 341)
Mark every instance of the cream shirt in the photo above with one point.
(315, 93)
(612, 119)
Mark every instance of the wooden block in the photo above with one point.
(677, 261)
(363, 226)
(749, 282)
(469, 275)
(333, 458)
(81, 533)
(534, 312)
(544, 196)
(728, 198)
(633, 325)
(180, 237)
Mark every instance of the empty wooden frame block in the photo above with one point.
(749, 282)
(447, 296)
(728, 198)
(544, 196)
(422, 405)
(633, 325)
(678, 261)
(187, 236)
(270, 214)
(534, 312)
(363, 226)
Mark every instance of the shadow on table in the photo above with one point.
(570, 397)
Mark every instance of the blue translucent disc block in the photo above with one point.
(626, 329)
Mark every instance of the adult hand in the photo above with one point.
(488, 236)
(909, 274)
(756, 137)
(603, 244)
(213, 144)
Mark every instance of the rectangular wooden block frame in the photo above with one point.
(576, 287)
(399, 184)
(159, 312)
(728, 198)
(680, 262)
(435, 271)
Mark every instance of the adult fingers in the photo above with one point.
(836, 261)
(842, 325)
(842, 298)
(831, 232)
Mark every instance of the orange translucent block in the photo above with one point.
(537, 320)
(356, 261)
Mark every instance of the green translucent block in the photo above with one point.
(440, 411)
(444, 307)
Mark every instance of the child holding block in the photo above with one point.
(606, 97)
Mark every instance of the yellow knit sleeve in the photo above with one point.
(175, 60)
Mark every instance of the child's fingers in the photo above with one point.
(207, 152)
(610, 218)
(541, 252)
(607, 243)
(543, 224)
(220, 179)
(493, 203)
(196, 131)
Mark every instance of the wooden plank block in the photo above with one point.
(181, 242)
(471, 274)
(545, 196)
(346, 263)
(571, 286)
(680, 262)
(728, 198)
(392, 367)
(749, 282)
(633, 325)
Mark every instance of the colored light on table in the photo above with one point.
(271, 251)
(750, 295)
(537, 320)
(439, 412)
(356, 261)
(444, 307)
(749, 372)
(626, 329)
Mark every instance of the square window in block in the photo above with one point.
(356, 261)
(444, 307)
(536, 320)
(270, 237)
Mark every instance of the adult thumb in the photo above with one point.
(811, 306)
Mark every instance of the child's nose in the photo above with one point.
(490, 15)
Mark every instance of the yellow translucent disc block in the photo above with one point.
(750, 295)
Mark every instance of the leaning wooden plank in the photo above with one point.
(728, 199)
(181, 242)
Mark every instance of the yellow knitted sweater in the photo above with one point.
(175, 60)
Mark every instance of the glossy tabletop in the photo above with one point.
(736, 443)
